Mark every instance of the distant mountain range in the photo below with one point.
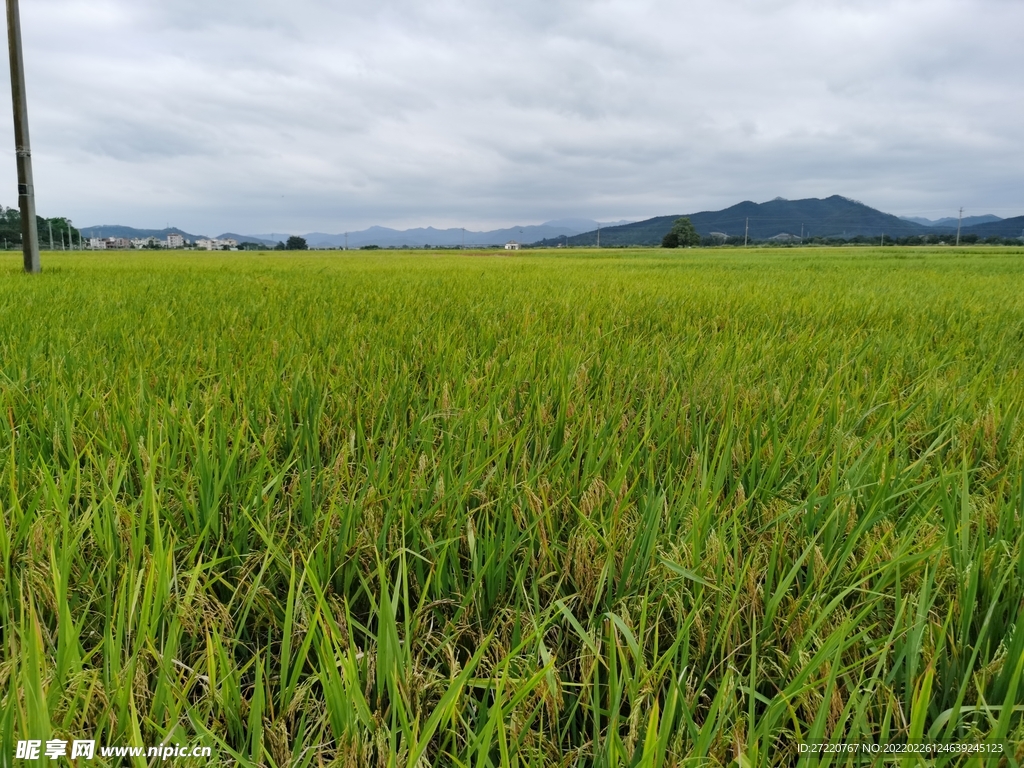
(835, 216)
(130, 233)
(385, 237)
(381, 236)
(1002, 228)
(951, 221)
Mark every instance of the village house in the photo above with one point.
(216, 244)
(109, 243)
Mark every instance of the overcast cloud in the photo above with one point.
(264, 115)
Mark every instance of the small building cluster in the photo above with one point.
(216, 244)
(174, 240)
(124, 244)
(111, 243)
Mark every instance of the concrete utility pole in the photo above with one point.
(598, 235)
(22, 146)
(746, 232)
(49, 225)
(346, 241)
(958, 223)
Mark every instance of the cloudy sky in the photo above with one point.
(332, 115)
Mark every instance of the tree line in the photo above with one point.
(63, 230)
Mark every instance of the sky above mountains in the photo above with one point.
(336, 115)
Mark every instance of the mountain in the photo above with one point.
(272, 238)
(835, 216)
(1002, 228)
(421, 236)
(951, 221)
(248, 239)
(584, 225)
(117, 230)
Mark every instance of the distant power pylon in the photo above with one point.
(22, 145)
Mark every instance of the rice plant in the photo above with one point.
(609, 508)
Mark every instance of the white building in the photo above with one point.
(215, 244)
(175, 240)
(109, 243)
(512, 245)
(147, 242)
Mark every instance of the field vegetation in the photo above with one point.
(646, 508)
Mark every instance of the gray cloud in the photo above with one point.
(316, 115)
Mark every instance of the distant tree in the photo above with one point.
(296, 243)
(279, 246)
(10, 228)
(682, 235)
(370, 248)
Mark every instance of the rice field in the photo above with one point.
(586, 508)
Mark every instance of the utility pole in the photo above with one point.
(598, 235)
(463, 238)
(801, 233)
(22, 146)
(958, 223)
(881, 242)
(346, 241)
(49, 225)
(746, 232)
